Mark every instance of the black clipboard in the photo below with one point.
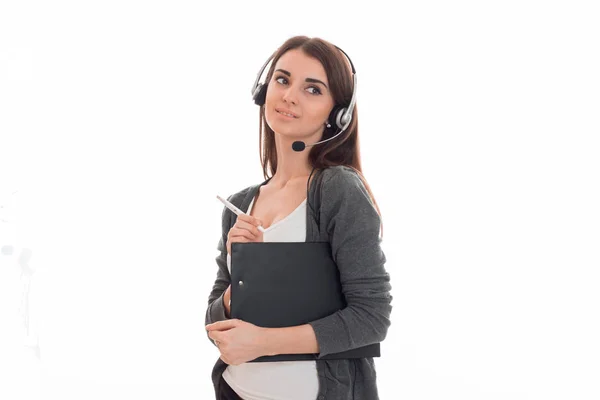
(281, 284)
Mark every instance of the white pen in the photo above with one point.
(236, 210)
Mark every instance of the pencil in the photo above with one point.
(236, 210)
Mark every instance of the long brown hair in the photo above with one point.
(345, 149)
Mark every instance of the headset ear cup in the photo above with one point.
(336, 115)
(260, 95)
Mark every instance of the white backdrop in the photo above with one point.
(120, 121)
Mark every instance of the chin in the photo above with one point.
(282, 128)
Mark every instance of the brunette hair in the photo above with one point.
(345, 149)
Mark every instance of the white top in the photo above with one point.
(277, 380)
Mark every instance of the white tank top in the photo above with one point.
(278, 380)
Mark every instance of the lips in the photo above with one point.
(286, 112)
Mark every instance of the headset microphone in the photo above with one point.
(340, 115)
(298, 146)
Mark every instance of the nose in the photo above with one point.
(289, 96)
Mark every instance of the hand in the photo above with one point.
(238, 341)
(244, 230)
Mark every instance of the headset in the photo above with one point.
(340, 115)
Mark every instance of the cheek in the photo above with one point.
(269, 102)
(270, 116)
(320, 111)
(272, 91)
(325, 107)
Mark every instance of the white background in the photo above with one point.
(120, 121)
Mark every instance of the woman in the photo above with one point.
(308, 89)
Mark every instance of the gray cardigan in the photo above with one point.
(349, 220)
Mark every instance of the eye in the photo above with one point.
(317, 90)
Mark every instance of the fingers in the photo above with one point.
(238, 239)
(223, 325)
(248, 234)
(241, 224)
(249, 219)
(216, 336)
(244, 230)
(240, 235)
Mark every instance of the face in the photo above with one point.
(298, 100)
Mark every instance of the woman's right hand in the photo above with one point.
(244, 230)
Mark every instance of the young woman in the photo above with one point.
(308, 97)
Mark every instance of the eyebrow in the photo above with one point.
(313, 80)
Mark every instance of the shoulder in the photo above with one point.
(340, 181)
(346, 204)
(238, 198)
(339, 174)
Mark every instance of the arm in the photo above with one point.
(353, 225)
(299, 339)
(219, 296)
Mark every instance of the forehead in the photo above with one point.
(301, 65)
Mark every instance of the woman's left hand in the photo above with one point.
(238, 341)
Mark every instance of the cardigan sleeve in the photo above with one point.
(353, 225)
(216, 307)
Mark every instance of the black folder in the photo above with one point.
(281, 284)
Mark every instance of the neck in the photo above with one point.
(291, 165)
